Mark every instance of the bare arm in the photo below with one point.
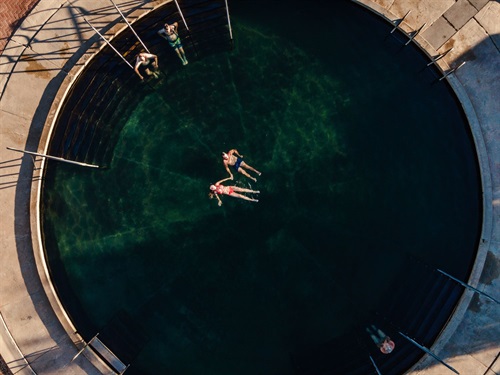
(228, 170)
(163, 34)
(136, 69)
(221, 181)
(220, 201)
(235, 151)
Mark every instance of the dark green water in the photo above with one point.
(364, 157)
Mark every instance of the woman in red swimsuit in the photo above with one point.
(219, 189)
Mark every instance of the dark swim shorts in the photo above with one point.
(237, 164)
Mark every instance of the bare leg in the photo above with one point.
(181, 49)
(245, 165)
(153, 72)
(373, 336)
(381, 334)
(243, 172)
(183, 59)
(236, 195)
(244, 190)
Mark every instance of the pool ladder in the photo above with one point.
(105, 354)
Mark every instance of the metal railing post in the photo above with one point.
(397, 23)
(53, 157)
(129, 25)
(182, 15)
(429, 352)
(468, 286)
(452, 71)
(108, 43)
(84, 347)
(229, 22)
(415, 34)
(375, 365)
(439, 57)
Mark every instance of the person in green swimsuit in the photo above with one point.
(169, 32)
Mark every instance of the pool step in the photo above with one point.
(90, 120)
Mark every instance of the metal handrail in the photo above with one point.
(54, 158)
(429, 352)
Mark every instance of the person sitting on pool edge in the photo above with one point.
(147, 60)
(169, 32)
(237, 163)
(233, 191)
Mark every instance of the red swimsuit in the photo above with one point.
(220, 189)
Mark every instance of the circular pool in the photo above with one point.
(369, 183)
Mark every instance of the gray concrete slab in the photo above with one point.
(489, 19)
(439, 33)
(460, 13)
(479, 4)
(423, 11)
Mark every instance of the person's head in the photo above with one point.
(212, 187)
(225, 156)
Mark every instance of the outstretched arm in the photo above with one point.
(221, 181)
(220, 201)
(228, 170)
(235, 151)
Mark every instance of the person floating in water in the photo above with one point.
(169, 32)
(235, 160)
(383, 342)
(148, 60)
(233, 191)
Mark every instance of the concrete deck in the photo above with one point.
(41, 61)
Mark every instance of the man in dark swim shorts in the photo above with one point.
(149, 62)
(235, 160)
(169, 32)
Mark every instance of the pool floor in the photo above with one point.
(365, 159)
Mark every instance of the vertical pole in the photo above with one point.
(182, 15)
(84, 347)
(375, 365)
(429, 352)
(440, 56)
(129, 25)
(109, 44)
(53, 157)
(414, 34)
(125, 369)
(229, 22)
(400, 22)
(452, 71)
